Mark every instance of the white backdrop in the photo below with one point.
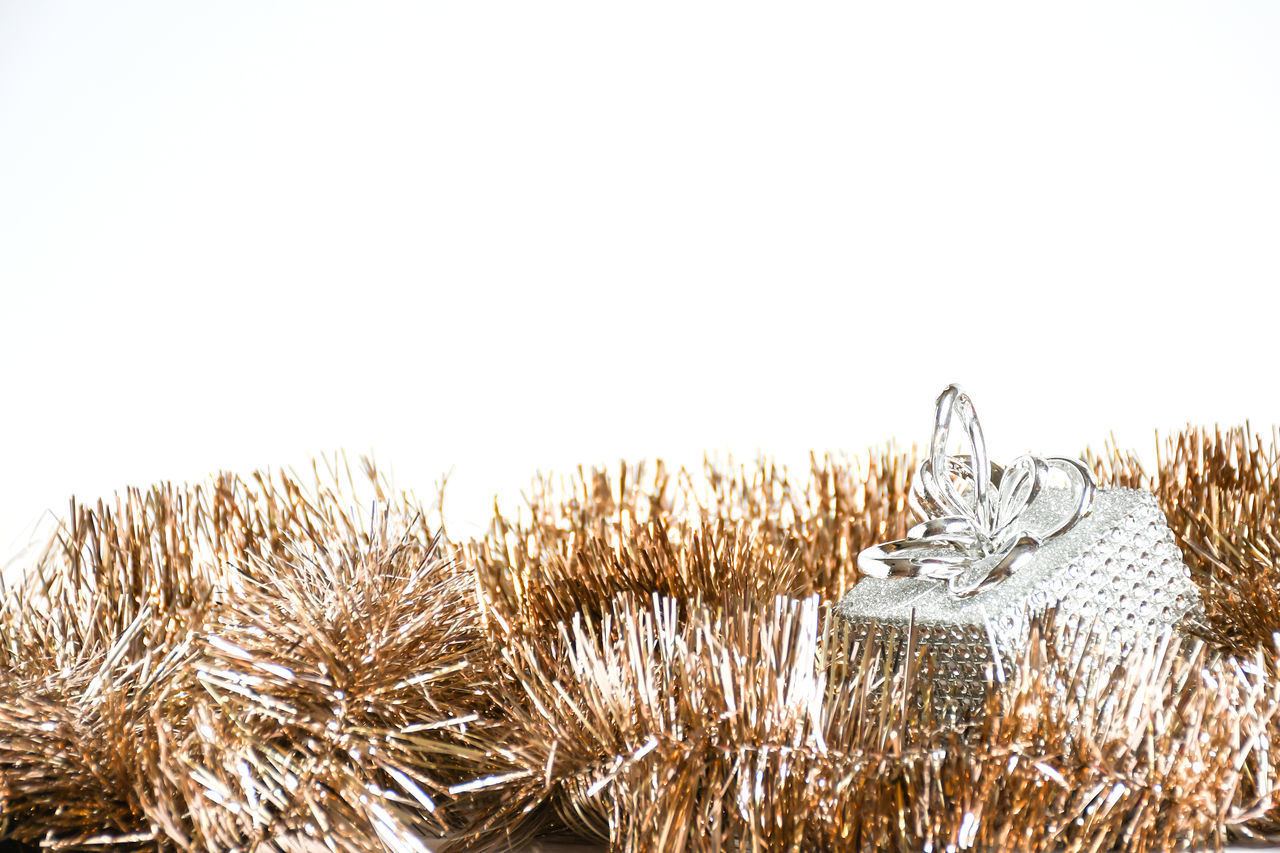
(492, 238)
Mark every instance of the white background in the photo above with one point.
(493, 238)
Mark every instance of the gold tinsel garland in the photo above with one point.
(642, 657)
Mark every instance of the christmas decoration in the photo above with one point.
(643, 657)
(995, 545)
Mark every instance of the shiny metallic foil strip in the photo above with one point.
(641, 656)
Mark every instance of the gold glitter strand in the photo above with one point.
(641, 656)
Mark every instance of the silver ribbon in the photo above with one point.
(979, 522)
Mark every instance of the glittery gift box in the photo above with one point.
(995, 546)
(1117, 573)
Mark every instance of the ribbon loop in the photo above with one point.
(979, 522)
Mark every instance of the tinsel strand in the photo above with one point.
(640, 656)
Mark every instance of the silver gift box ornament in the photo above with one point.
(995, 545)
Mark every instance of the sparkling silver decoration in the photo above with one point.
(995, 545)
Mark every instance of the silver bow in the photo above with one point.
(979, 522)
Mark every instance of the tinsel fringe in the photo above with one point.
(641, 656)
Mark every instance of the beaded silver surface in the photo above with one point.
(1104, 559)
